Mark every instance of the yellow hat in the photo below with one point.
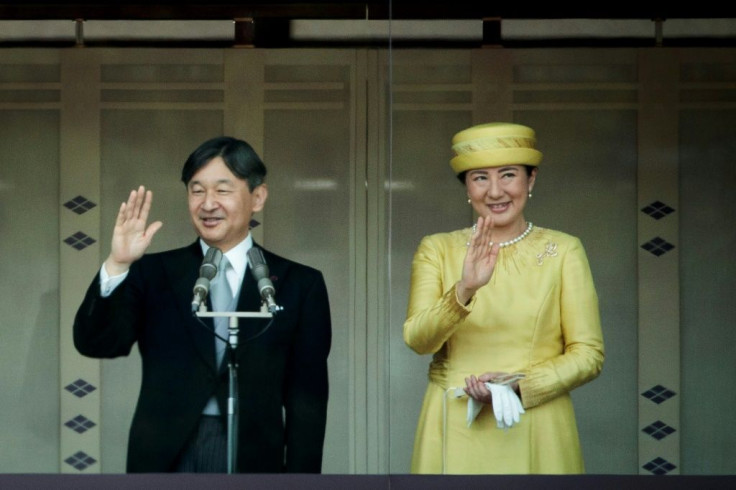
(494, 145)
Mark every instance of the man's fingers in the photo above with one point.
(146, 206)
(153, 228)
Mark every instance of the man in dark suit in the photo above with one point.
(180, 422)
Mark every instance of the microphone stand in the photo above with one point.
(232, 366)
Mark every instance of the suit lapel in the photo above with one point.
(183, 271)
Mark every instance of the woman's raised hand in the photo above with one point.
(480, 260)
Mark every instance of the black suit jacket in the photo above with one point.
(282, 374)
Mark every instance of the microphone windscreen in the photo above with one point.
(257, 263)
(210, 263)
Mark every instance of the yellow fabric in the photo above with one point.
(494, 145)
(496, 158)
(498, 132)
(538, 315)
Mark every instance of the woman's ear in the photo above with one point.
(532, 179)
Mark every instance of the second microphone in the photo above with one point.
(265, 286)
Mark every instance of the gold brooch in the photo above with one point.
(550, 250)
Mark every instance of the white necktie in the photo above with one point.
(222, 299)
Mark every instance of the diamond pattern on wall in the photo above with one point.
(658, 430)
(79, 204)
(658, 394)
(657, 210)
(659, 466)
(80, 460)
(80, 388)
(79, 240)
(657, 246)
(80, 424)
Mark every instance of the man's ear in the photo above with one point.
(260, 194)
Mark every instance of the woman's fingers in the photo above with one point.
(477, 389)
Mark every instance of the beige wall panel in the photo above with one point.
(707, 179)
(375, 239)
(80, 252)
(659, 321)
(29, 290)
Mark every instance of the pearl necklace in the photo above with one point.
(514, 240)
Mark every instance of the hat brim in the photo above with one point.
(497, 157)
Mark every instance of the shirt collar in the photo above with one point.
(238, 255)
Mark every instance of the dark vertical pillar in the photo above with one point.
(492, 32)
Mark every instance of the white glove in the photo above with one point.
(507, 407)
(474, 407)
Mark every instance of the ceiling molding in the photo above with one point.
(396, 9)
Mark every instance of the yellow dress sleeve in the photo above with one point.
(583, 354)
(434, 312)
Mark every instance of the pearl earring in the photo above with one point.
(530, 194)
(468, 200)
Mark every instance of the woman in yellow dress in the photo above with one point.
(510, 313)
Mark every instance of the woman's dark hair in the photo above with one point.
(529, 169)
(239, 156)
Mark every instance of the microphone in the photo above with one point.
(260, 272)
(207, 272)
